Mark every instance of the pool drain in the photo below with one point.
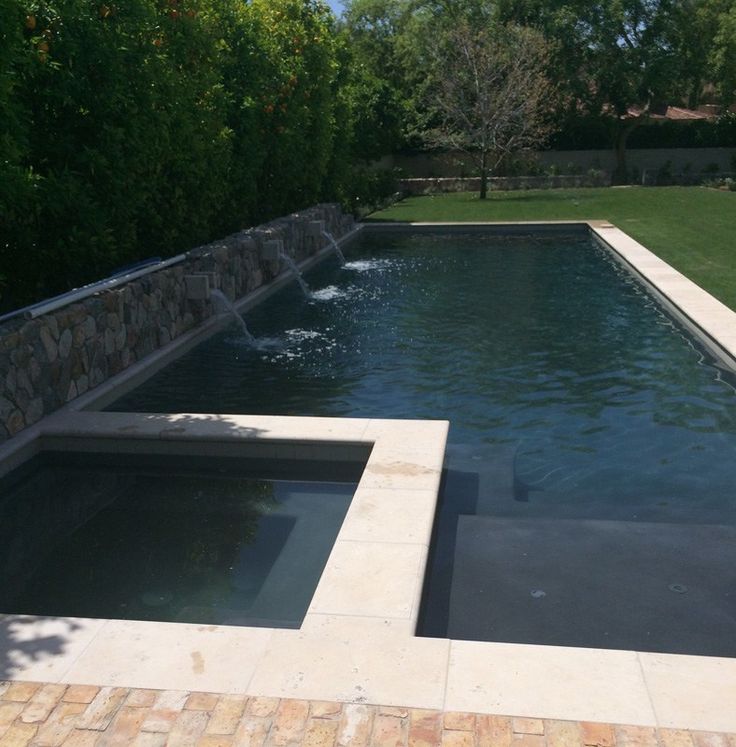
(678, 588)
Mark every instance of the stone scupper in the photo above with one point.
(49, 361)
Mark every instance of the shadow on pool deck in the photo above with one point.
(20, 646)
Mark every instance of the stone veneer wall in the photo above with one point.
(472, 184)
(49, 361)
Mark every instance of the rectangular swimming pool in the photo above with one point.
(587, 497)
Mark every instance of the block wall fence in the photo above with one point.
(48, 361)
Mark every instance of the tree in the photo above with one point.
(723, 55)
(489, 96)
(617, 58)
(377, 82)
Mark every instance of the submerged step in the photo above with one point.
(600, 584)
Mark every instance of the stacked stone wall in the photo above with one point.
(452, 184)
(48, 361)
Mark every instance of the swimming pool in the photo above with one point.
(213, 541)
(587, 494)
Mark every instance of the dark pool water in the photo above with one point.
(170, 539)
(588, 495)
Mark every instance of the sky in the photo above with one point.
(336, 5)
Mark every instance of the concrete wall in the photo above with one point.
(49, 361)
(698, 159)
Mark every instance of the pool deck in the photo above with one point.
(357, 644)
(50, 715)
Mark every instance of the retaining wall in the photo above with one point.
(49, 361)
(434, 186)
(691, 160)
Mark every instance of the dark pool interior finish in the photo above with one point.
(170, 539)
(588, 494)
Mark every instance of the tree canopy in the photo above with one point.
(615, 60)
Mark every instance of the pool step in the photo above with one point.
(601, 584)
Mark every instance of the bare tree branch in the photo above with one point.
(489, 96)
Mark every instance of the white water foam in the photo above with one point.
(333, 293)
(330, 293)
(366, 265)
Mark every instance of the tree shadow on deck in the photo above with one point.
(29, 641)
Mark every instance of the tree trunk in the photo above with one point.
(621, 172)
(624, 128)
(483, 177)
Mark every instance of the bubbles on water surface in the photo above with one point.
(330, 293)
(334, 293)
(368, 265)
(302, 344)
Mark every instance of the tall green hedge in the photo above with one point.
(132, 128)
(589, 133)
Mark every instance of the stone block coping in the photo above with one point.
(357, 643)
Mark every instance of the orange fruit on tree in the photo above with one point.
(30, 22)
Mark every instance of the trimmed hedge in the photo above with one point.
(594, 133)
(145, 127)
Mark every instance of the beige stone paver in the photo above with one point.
(356, 725)
(324, 709)
(101, 711)
(636, 736)
(390, 731)
(201, 702)
(52, 715)
(675, 738)
(533, 726)
(597, 735)
(252, 731)
(21, 692)
(262, 707)
(452, 738)
(59, 725)
(320, 732)
(18, 735)
(226, 714)
(562, 733)
(289, 722)
(80, 693)
(455, 721)
(425, 728)
(493, 731)
(141, 698)
(39, 707)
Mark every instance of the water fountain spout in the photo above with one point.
(295, 270)
(221, 300)
(335, 246)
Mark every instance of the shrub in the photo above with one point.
(145, 127)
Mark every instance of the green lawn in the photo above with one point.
(692, 228)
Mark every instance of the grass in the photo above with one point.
(692, 228)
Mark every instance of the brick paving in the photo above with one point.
(48, 715)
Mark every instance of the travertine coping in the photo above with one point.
(364, 610)
(357, 642)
